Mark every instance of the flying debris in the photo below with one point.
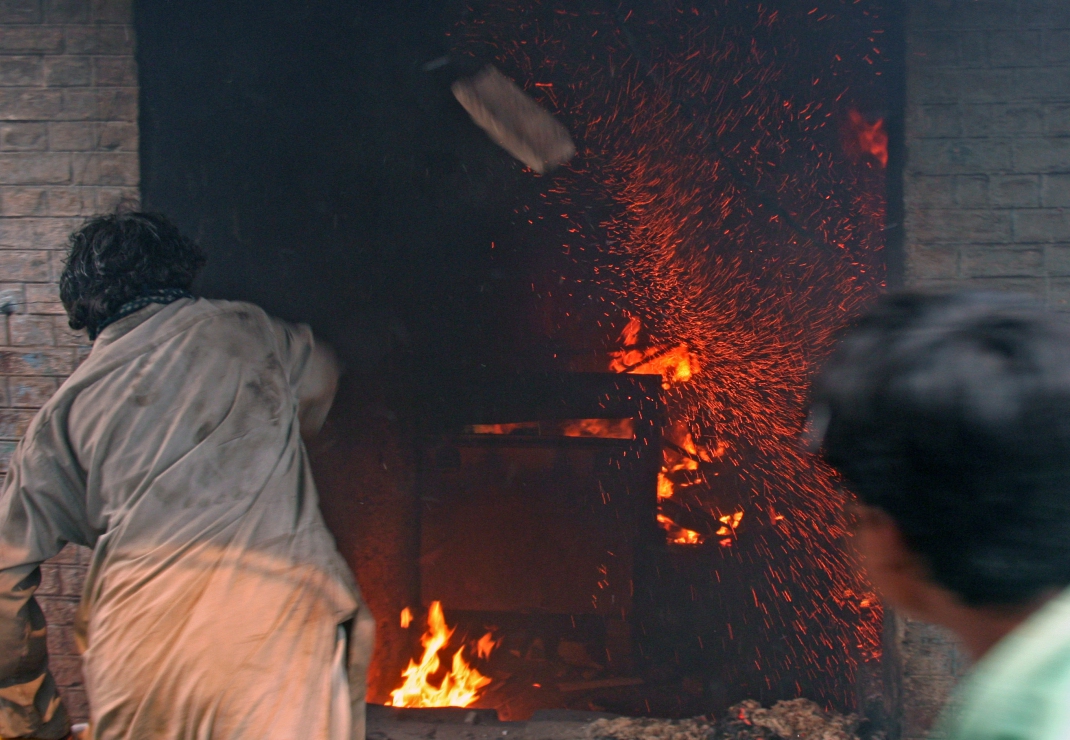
(436, 63)
(514, 121)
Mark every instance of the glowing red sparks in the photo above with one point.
(724, 298)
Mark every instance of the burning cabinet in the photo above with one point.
(537, 491)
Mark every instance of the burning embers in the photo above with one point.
(674, 363)
(601, 428)
(459, 687)
(682, 458)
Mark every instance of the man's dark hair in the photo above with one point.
(952, 414)
(119, 257)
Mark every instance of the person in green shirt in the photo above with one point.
(949, 417)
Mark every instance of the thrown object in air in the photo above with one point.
(514, 121)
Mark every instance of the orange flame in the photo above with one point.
(506, 429)
(605, 428)
(674, 462)
(602, 428)
(674, 364)
(730, 523)
(406, 618)
(679, 535)
(458, 688)
(665, 486)
(486, 644)
(871, 137)
(629, 337)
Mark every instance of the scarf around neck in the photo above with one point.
(161, 295)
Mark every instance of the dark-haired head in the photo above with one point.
(120, 257)
(951, 414)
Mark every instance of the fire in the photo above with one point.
(675, 363)
(730, 523)
(684, 458)
(602, 428)
(506, 429)
(486, 644)
(679, 535)
(629, 336)
(406, 618)
(665, 486)
(675, 462)
(871, 137)
(605, 428)
(460, 687)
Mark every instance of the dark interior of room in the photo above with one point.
(727, 198)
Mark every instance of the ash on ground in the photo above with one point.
(797, 719)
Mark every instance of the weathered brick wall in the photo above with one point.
(68, 149)
(987, 193)
(988, 145)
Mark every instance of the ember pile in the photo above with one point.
(797, 719)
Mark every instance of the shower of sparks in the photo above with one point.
(714, 206)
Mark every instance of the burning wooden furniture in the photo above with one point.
(536, 494)
(555, 476)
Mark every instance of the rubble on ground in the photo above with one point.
(797, 719)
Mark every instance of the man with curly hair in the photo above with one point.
(949, 416)
(216, 604)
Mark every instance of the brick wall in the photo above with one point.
(987, 201)
(68, 149)
(987, 184)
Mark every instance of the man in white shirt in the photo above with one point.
(216, 604)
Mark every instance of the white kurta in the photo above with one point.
(215, 593)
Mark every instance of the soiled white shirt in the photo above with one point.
(215, 593)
